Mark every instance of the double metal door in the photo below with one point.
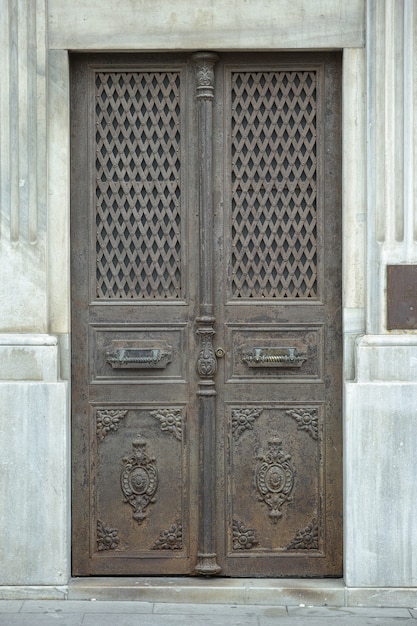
(206, 308)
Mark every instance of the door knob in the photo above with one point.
(220, 353)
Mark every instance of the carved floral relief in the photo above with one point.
(243, 419)
(107, 538)
(306, 538)
(170, 421)
(243, 538)
(170, 539)
(108, 421)
(307, 420)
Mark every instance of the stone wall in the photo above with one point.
(380, 410)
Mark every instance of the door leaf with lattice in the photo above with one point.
(206, 314)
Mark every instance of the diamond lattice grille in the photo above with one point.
(274, 169)
(138, 220)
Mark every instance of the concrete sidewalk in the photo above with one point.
(129, 613)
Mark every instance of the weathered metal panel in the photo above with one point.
(402, 297)
(279, 266)
(206, 314)
(134, 412)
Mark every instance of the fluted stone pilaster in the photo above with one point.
(23, 118)
(392, 146)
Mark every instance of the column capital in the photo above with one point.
(204, 62)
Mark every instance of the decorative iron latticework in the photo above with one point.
(274, 194)
(137, 183)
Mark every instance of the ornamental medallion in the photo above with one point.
(139, 479)
(275, 478)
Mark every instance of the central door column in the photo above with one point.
(206, 362)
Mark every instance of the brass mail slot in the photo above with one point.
(273, 357)
(136, 358)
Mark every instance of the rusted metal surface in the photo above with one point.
(402, 297)
(279, 279)
(204, 63)
(206, 303)
(134, 402)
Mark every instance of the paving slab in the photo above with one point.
(169, 620)
(224, 610)
(375, 596)
(35, 592)
(45, 619)
(132, 613)
(10, 606)
(331, 621)
(346, 612)
(86, 606)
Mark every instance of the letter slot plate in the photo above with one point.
(273, 357)
(137, 358)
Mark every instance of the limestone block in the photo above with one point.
(23, 290)
(184, 25)
(34, 485)
(380, 484)
(28, 357)
(387, 358)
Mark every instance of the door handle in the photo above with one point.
(273, 357)
(220, 353)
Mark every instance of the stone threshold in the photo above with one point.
(279, 592)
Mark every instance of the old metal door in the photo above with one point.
(206, 308)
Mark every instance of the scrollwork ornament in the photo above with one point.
(139, 479)
(207, 361)
(274, 478)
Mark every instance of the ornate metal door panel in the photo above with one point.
(134, 400)
(279, 304)
(206, 315)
